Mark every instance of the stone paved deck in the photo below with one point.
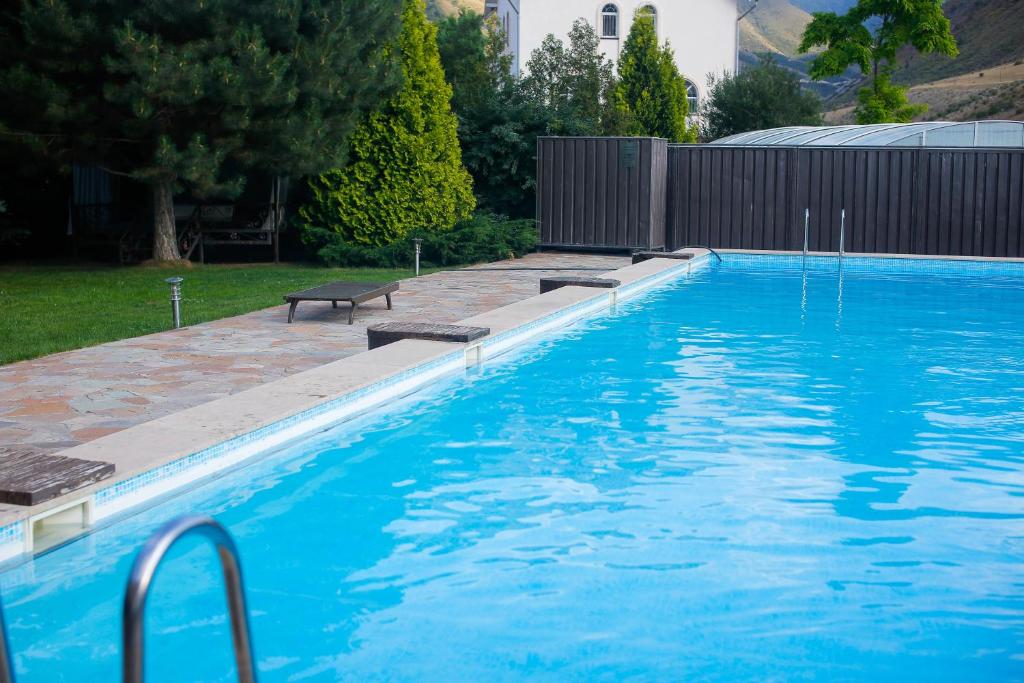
(66, 399)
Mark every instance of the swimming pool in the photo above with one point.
(761, 471)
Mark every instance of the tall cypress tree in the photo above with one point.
(651, 92)
(406, 167)
(189, 95)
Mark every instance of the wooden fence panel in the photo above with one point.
(897, 200)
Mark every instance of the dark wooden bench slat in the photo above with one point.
(549, 284)
(30, 477)
(389, 333)
(640, 256)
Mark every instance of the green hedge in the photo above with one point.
(484, 237)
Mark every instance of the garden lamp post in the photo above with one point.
(419, 245)
(175, 283)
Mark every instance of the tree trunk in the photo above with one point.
(165, 238)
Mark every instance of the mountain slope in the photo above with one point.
(775, 26)
(838, 6)
(989, 32)
(444, 8)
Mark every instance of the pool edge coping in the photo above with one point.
(216, 449)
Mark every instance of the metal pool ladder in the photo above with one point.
(141, 578)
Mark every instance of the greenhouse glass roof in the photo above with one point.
(930, 134)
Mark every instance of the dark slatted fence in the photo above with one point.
(967, 202)
(602, 192)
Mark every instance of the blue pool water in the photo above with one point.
(756, 473)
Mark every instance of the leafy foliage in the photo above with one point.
(406, 167)
(498, 125)
(484, 237)
(569, 91)
(869, 35)
(574, 83)
(651, 92)
(766, 96)
(191, 96)
(886, 103)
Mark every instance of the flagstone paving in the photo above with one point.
(66, 399)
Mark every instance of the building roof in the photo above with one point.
(927, 134)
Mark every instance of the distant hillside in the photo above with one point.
(985, 82)
(437, 9)
(995, 93)
(838, 6)
(775, 26)
(989, 32)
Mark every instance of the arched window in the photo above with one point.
(649, 11)
(692, 97)
(609, 21)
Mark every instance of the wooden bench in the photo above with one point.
(648, 255)
(389, 333)
(29, 476)
(354, 293)
(549, 284)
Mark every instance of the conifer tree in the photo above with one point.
(651, 92)
(189, 96)
(406, 166)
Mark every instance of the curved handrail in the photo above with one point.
(141, 577)
(700, 246)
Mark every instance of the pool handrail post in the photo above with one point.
(842, 233)
(141, 578)
(807, 224)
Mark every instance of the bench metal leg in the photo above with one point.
(291, 310)
(388, 297)
(352, 312)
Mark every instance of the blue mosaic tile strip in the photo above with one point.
(539, 322)
(212, 453)
(12, 532)
(874, 264)
(597, 300)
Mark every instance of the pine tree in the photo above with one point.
(406, 166)
(651, 92)
(189, 96)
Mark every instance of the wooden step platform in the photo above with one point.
(30, 477)
(648, 255)
(389, 333)
(548, 284)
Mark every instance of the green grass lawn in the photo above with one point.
(45, 309)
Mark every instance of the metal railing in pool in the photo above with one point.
(141, 578)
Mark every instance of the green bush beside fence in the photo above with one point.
(484, 237)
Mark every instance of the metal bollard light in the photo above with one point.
(419, 245)
(175, 283)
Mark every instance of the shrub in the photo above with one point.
(651, 92)
(405, 169)
(484, 237)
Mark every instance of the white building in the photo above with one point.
(702, 32)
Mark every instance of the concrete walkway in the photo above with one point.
(66, 399)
